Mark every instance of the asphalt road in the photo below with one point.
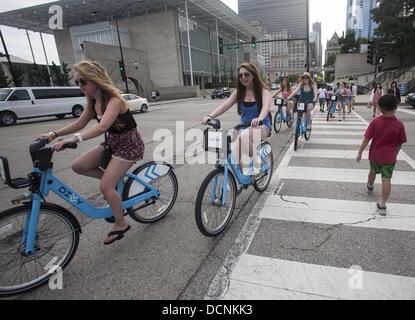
(156, 261)
(171, 259)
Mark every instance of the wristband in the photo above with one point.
(79, 137)
(53, 133)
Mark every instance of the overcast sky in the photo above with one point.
(331, 14)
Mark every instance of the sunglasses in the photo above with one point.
(244, 75)
(81, 82)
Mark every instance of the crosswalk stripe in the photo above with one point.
(335, 212)
(343, 175)
(256, 277)
(336, 154)
(336, 141)
(338, 133)
(340, 126)
(343, 122)
(407, 111)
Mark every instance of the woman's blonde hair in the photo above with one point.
(306, 74)
(96, 73)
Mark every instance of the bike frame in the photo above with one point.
(50, 183)
(303, 123)
(280, 116)
(241, 179)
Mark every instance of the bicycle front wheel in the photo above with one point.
(211, 216)
(261, 184)
(277, 122)
(297, 133)
(307, 134)
(57, 239)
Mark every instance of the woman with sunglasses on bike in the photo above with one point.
(307, 89)
(253, 101)
(106, 105)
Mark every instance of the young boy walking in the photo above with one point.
(387, 134)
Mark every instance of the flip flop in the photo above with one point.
(119, 235)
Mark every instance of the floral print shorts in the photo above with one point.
(127, 145)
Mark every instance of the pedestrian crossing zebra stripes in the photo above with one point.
(297, 246)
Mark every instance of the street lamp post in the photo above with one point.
(138, 79)
(122, 55)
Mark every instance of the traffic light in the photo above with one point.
(220, 40)
(253, 42)
(370, 52)
(122, 70)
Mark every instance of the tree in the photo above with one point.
(19, 76)
(57, 74)
(331, 60)
(396, 30)
(4, 81)
(66, 74)
(38, 76)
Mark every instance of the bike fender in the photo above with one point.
(148, 172)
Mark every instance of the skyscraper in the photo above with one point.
(277, 15)
(317, 29)
(359, 17)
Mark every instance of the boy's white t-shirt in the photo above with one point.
(322, 93)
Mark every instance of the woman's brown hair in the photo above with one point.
(258, 84)
(283, 88)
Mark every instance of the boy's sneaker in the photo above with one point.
(369, 188)
(382, 208)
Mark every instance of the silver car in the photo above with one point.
(136, 103)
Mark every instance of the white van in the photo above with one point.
(32, 102)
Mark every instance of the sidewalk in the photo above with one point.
(158, 103)
(362, 100)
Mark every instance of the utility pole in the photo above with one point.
(8, 59)
(122, 55)
(308, 36)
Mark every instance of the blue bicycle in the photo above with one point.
(301, 126)
(38, 236)
(331, 110)
(281, 116)
(215, 202)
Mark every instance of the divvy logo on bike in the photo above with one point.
(56, 280)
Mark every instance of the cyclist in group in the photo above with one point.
(106, 105)
(253, 101)
(285, 92)
(307, 89)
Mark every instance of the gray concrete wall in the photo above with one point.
(355, 64)
(158, 34)
(64, 45)
(109, 56)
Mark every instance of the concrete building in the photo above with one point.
(166, 44)
(359, 17)
(333, 47)
(368, 25)
(317, 28)
(277, 15)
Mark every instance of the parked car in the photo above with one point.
(136, 103)
(221, 93)
(274, 86)
(410, 99)
(33, 102)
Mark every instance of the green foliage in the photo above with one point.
(4, 81)
(349, 43)
(38, 76)
(19, 76)
(331, 61)
(396, 28)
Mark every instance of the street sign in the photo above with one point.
(402, 88)
(233, 46)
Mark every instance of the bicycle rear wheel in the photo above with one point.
(57, 239)
(152, 210)
(261, 184)
(211, 217)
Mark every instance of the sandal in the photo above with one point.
(119, 235)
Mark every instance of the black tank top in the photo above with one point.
(125, 122)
